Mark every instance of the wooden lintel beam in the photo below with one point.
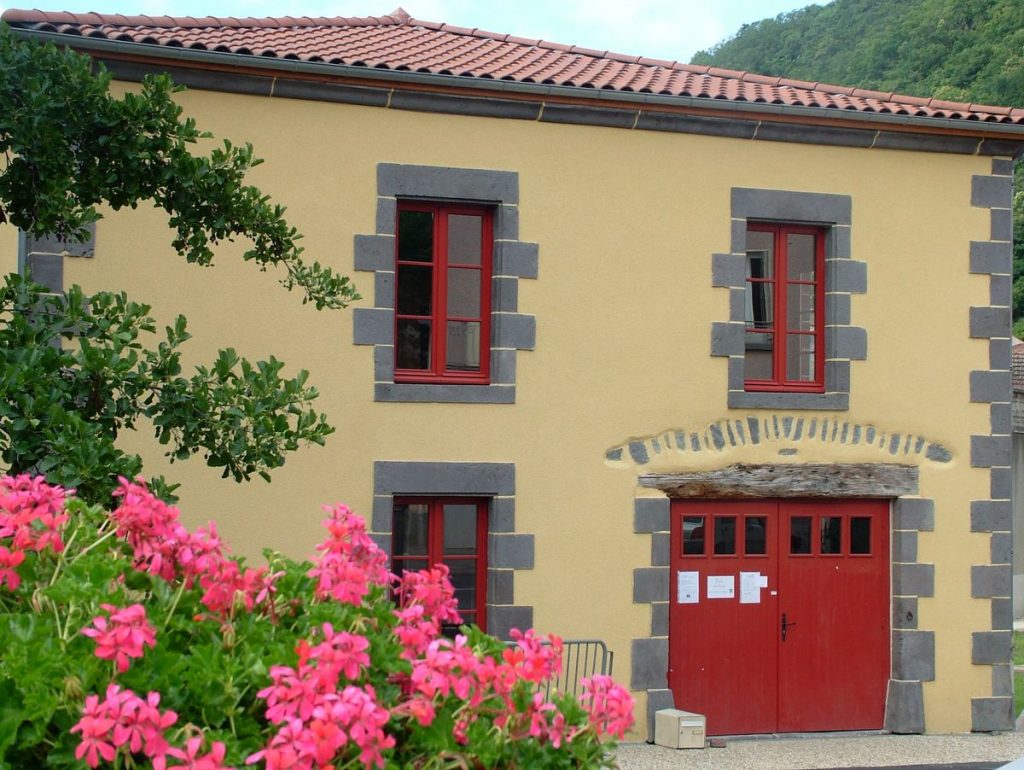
(789, 480)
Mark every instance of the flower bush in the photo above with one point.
(127, 640)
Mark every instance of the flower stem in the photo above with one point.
(174, 605)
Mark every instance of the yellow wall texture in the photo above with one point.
(626, 222)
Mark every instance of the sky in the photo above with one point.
(663, 29)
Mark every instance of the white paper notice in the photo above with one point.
(751, 584)
(687, 587)
(721, 586)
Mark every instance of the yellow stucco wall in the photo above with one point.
(626, 222)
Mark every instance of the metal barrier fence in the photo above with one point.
(581, 658)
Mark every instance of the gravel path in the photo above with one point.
(798, 753)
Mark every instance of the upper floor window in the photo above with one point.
(443, 293)
(785, 308)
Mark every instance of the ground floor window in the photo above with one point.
(445, 530)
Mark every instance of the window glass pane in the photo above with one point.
(800, 357)
(693, 535)
(414, 289)
(800, 534)
(725, 535)
(410, 529)
(464, 346)
(831, 534)
(762, 241)
(463, 577)
(800, 256)
(754, 535)
(464, 237)
(459, 528)
(416, 236)
(757, 358)
(860, 534)
(463, 293)
(760, 305)
(800, 307)
(412, 346)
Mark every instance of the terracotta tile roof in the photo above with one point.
(400, 43)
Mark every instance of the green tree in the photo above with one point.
(75, 370)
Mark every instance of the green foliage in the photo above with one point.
(958, 50)
(212, 659)
(74, 373)
(70, 145)
(969, 50)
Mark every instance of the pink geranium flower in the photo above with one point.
(610, 706)
(123, 719)
(32, 513)
(8, 561)
(193, 761)
(123, 635)
(349, 562)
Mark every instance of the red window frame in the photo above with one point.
(435, 548)
(780, 283)
(438, 371)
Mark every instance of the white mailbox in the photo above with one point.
(677, 729)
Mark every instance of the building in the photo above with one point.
(686, 398)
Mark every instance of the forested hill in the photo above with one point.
(960, 50)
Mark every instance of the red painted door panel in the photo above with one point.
(722, 660)
(808, 648)
(834, 660)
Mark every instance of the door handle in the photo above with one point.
(785, 626)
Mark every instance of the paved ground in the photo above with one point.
(934, 752)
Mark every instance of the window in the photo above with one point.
(452, 531)
(443, 297)
(785, 308)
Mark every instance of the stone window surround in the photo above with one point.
(843, 277)
(513, 259)
(507, 550)
(913, 650)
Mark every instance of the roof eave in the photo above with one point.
(222, 60)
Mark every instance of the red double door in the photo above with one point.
(779, 615)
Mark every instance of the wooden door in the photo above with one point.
(779, 615)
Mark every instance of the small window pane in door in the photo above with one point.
(725, 535)
(860, 535)
(693, 536)
(800, 535)
(831, 535)
(459, 529)
(754, 535)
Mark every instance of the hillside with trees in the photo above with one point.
(960, 50)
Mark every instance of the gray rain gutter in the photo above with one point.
(651, 101)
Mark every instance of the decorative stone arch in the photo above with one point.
(895, 477)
